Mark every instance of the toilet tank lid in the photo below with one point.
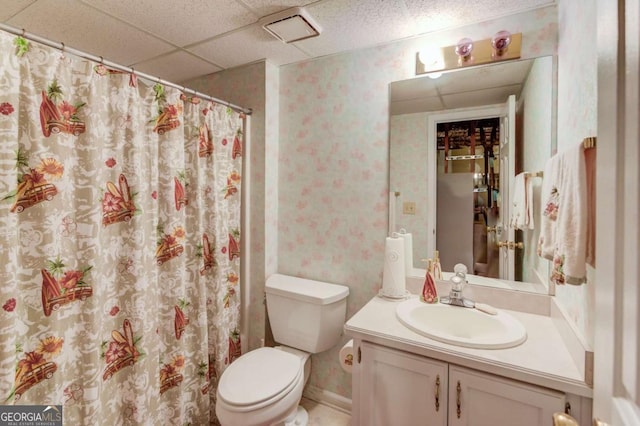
(311, 291)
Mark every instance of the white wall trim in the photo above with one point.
(330, 399)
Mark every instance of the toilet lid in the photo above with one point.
(258, 376)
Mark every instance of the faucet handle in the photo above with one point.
(460, 268)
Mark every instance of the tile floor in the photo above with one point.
(323, 415)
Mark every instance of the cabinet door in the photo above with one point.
(397, 388)
(478, 399)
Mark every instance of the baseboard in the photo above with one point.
(328, 398)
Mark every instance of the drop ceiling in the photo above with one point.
(178, 40)
(463, 88)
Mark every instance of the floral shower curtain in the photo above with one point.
(119, 236)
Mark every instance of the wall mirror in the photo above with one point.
(456, 144)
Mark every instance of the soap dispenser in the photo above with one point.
(429, 292)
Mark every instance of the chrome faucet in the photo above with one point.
(458, 280)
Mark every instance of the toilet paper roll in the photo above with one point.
(346, 356)
(408, 250)
(393, 274)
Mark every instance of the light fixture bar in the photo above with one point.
(483, 52)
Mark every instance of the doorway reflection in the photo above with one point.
(468, 194)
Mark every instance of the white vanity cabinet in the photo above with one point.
(397, 388)
(392, 387)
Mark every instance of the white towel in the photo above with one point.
(522, 203)
(570, 254)
(550, 205)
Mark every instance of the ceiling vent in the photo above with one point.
(291, 25)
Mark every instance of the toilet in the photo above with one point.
(264, 386)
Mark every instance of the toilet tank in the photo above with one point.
(306, 314)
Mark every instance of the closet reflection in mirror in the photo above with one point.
(454, 152)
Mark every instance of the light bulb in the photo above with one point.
(464, 49)
(500, 42)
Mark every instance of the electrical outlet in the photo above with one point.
(409, 207)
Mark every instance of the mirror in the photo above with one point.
(456, 144)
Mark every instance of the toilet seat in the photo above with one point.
(259, 378)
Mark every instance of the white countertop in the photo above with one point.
(543, 359)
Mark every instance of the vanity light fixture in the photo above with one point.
(291, 25)
(503, 46)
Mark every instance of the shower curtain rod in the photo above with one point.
(101, 60)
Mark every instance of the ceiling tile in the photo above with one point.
(495, 95)
(432, 15)
(249, 45)
(352, 24)
(11, 7)
(413, 88)
(176, 67)
(497, 75)
(84, 28)
(269, 7)
(416, 105)
(180, 22)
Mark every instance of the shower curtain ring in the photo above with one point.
(62, 48)
(23, 32)
(101, 60)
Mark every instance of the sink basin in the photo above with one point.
(461, 326)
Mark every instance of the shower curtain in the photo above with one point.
(119, 237)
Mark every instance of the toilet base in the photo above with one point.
(299, 418)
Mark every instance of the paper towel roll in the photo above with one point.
(346, 356)
(408, 250)
(393, 274)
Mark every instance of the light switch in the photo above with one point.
(409, 207)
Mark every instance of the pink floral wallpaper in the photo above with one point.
(538, 139)
(407, 153)
(577, 119)
(319, 157)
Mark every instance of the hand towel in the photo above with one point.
(569, 258)
(550, 205)
(519, 213)
(529, 209)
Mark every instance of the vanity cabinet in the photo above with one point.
(392, 387)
